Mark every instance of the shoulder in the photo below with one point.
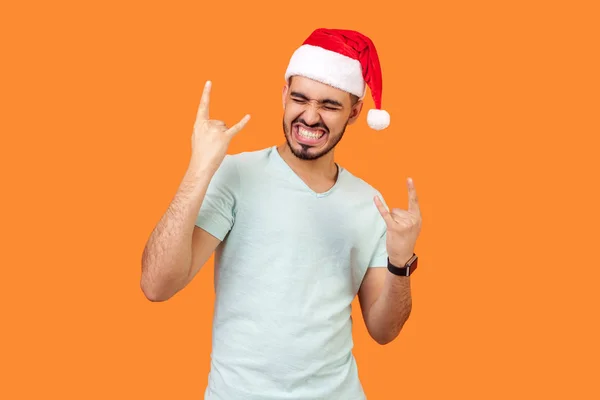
(235, 163)
(359, 197)
(237, 169)
(248, 159)
(358, 187)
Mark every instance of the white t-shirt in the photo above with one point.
(290, 264)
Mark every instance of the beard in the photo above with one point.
(304, 152)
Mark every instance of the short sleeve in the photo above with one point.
(217, 212)
(380, 255)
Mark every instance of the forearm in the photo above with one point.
(167, 257)
(392, 308)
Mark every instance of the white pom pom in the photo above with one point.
(378, 119)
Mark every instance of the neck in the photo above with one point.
(322, 167)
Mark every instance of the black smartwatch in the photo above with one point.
(407, 269)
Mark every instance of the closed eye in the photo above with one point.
(328, 104)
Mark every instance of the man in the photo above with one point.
(296, 237)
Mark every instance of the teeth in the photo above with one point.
(309, 134)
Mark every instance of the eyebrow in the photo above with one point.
(323, 101)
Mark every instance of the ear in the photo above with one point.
(284, 94)
(355, 112)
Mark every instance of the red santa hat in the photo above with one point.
(346, 60)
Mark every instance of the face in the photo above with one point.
(316, 116)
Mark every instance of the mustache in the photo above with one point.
(317, 125)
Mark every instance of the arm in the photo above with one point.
(176, 248)
(200, 214)
(385, 298)
(386, 303)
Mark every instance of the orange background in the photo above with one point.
(495, 114)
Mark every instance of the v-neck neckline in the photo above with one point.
(296, 177)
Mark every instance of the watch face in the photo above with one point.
(413, 262)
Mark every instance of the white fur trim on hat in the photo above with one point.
(378, 119)
(328, 67)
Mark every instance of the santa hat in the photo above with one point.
(346, 60)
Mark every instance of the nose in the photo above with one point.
(311, 115)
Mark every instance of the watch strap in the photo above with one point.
(407, 269)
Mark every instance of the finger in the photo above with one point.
(204, 102)
(216, 123)
(383, 211)
(239, 126)
(413, 200)
(398, 214)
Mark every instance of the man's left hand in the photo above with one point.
(403, 227)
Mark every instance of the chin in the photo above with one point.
(307, 144)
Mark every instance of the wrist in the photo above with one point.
(401, 266)
(196, 180)
(399, 261)
(197, 169)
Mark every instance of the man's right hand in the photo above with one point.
(211, 138)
